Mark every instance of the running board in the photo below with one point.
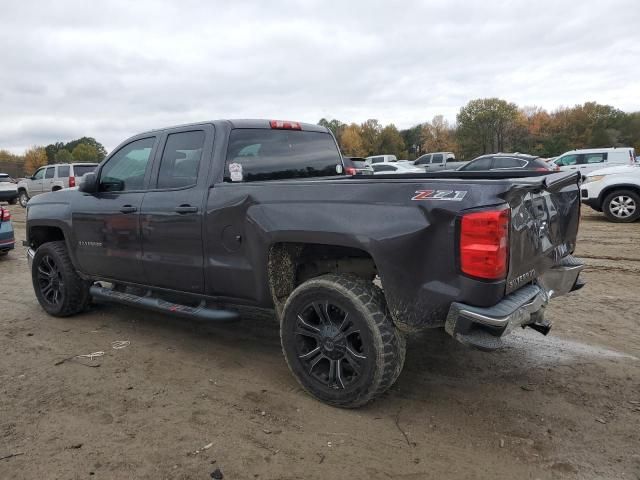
(200, 312)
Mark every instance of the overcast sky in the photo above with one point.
(111, 69)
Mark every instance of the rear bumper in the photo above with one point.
(6, 195)
(7, 239)
(485, 328)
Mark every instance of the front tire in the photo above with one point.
(59, 289)
(622, 206)
(23, 198)
(339, 340)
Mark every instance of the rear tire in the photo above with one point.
(23, 198)
(622, 206)
(59, 289)
(339, 340)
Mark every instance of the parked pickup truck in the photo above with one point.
(438, 161)
(208, 219)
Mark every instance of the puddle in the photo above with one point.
(553, 349)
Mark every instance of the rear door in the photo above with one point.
(49, 176)
(106, 224)
(592, 161)
(172, 211)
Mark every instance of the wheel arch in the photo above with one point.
(291, 263)
(618, 186)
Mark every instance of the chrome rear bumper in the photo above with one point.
(485, 327)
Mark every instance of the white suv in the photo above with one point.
(615, 191)
(590, 159)
(51, 178)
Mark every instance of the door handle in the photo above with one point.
(186, 209)
(128, 209)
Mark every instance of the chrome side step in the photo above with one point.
(201, 312)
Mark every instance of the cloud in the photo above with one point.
(113, 69)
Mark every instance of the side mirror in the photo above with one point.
(89, 183)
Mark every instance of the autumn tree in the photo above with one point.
(391, 142)
(351, 142)
(370, 132)
(63, 156)
(438, 136)
(84, 153)
(336, 126)
(34, 158)
(486, 125)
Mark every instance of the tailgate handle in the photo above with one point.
(186, 209)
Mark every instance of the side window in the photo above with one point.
(423, 160)
(567, 160)
(125, 170)
(480, 164)
(594, 157)
(39, 175)
(437, 158)
(181, 159)
(273, 154)
(63, 171)
(508, 163)
(51, 172)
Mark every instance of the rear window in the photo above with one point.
(265, 154)
(80, 170)
(437, 158)
(63, 171)
(502, 162)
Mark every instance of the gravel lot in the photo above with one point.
(562, 406)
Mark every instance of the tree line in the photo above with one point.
(85, 149)
(491, 125)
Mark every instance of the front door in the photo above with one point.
(107, 224)
(47, 183)
(35, 184)
(172, 211)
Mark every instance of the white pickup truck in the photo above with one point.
(614, 191)
(438, 161)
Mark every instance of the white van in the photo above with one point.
(590, 159)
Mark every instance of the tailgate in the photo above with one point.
(544, 225)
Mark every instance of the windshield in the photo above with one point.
(5, 179)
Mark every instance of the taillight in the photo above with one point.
(542, 169)
(284, 125)
(5, 215)
(350, 171)
(484, 244)
(72, 182)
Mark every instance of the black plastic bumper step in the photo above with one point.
(200, 312)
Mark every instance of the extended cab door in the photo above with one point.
(172, 211)
(106, 224)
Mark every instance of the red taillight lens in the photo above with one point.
(542, 169)
(350, 171)
(284, 125)
(72, 182)
(5, 215)
(484, 244)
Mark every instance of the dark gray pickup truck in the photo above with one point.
(206, 220)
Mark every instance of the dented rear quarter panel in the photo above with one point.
(412, 242)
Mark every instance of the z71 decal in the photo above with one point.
(450, 195)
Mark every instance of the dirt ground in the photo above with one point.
(562, 406)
